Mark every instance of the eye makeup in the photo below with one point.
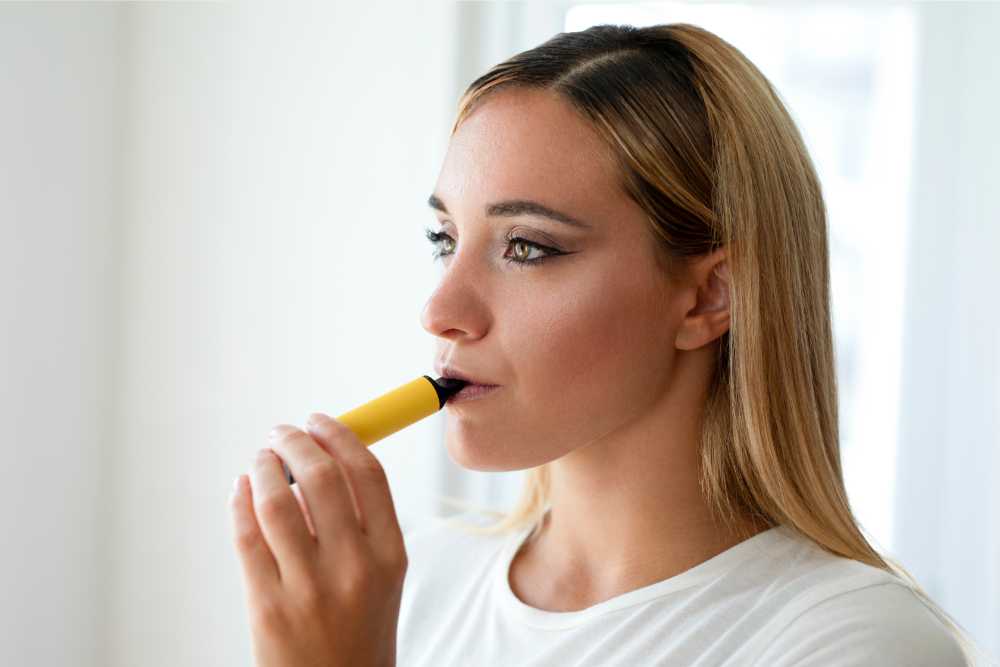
(437, 238)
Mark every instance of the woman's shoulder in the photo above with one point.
(882, 623)
(818, 608)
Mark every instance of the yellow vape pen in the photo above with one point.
(396, 409)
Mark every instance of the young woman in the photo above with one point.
(635, 250)
(636, 273)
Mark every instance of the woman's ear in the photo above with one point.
(708, 319)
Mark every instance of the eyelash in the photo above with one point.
(436, 237)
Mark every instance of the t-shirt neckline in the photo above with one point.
(554, 620)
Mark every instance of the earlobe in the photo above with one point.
(703, 328)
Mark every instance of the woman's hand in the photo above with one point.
(323, 570)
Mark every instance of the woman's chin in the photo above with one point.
(465, 452)
(483, 455)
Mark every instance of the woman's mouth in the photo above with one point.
(472, 392)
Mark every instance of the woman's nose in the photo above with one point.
(456, 307)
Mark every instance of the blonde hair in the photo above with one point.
(706, 146)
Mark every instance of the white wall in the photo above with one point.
(58, 120)
(280, 158)
(256, 254)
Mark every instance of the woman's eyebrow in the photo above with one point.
(515, 207)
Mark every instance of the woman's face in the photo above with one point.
(582, 341)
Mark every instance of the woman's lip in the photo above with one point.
(472, 392)
(458, 374)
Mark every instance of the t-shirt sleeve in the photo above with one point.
(884, 625)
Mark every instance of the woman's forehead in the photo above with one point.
(531, 145)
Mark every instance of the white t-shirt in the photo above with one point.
(774, 600)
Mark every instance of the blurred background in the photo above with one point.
(212, 222)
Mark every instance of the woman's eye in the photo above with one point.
(526, 247)
(522, 248)
(436, 238)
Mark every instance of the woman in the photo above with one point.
(635, 251)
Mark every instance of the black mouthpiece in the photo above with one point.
(446, 388)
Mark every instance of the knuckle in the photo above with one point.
(272, 507)
(397, 568)
(355, 587)
(245, 540)
(322, 472)
(355, 579)
(315, 599)
(403, 561)
(268, 615)
(400, 560)
(370, 468)
(392, 567)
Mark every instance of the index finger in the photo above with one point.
(369, 481)
(324, 487)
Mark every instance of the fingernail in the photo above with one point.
(236, 483)
(316, 418)
(280, 431)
